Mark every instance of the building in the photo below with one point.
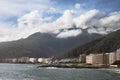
(118, 54)
(101, 59)
(33, 60)
(7, 60)
(23, 60)
(45, 60)
(14, 60)
(82, 58)
(106, 58)
(115, 59)
(112, 57)
(89, 58)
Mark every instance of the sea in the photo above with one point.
(32, 72)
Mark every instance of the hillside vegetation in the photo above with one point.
(108, 43)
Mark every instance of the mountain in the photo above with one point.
(42, 45)
(108, 43)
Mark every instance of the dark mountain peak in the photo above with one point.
(42, 45)
(40, 35)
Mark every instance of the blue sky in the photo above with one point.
(57, 14)
(60, 5)
(106, 5)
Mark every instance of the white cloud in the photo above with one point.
(35, 22)
(69, 33)
(30, 20)
(99, 30)
(77, 5)
(66, 20)
(111, 21)
(17, 8)
(6, 33)
(85, 18)
(104, 23)
(94, 20)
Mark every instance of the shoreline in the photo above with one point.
(77, 66)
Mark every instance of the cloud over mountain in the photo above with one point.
(40, 18)
(69, 25)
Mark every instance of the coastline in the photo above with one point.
(69, 65)
(115, 72)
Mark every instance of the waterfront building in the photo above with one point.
(7, 60)
(40, 60)
(118, 54)
(33, 60)
(89, 58)
(112, 57)
(14, 60)
(45, 60)
(116, 61)
(106, 59)
(101, 59)
(82, 58)
(23, 60)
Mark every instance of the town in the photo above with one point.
(111, 59)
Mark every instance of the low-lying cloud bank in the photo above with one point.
(68, 25)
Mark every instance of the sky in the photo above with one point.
(65, 18)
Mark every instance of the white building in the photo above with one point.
(89, 58)
(118, 54)
(45, 60)
(112, 57)
(14, 60)
(33, 60)
(40, 60)
(23, 59)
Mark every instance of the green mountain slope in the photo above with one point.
(108, 43)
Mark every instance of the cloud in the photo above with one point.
(30, 20)
(111, 21)
(69, 33)
(17, 8)
(77, 5)
(38, 18)
(66, 20)
(35, 22)
(68, 25)
(6, 33)
(99, 22)
(85, 18)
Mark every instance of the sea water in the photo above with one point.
(31, 72)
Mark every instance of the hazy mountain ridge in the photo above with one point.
(43, 45)
(108, 43)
